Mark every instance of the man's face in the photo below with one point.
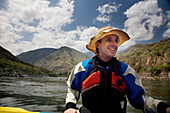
(108, 47)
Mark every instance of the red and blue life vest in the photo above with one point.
(104, 88)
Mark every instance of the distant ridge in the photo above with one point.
(60, 61)
(35, 55)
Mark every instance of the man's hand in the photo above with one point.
(71, 110)
(168, 110)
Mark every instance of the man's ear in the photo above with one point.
(97, 44)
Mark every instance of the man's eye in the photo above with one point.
(108, 40)
(116, 40)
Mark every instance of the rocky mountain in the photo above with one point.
(60, 61)
(149, 60)
(34, 56)
(13, 66)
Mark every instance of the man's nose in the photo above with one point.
(114, 42)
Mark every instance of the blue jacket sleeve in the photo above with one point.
(74, 82)
(135, 92)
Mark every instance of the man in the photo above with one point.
(103, 81)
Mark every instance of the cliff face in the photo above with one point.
(149, 60)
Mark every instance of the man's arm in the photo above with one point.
(71, 101)
(74, 82)
(72, 94)
(71, 98)
(137, 95)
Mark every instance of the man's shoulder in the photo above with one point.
(122, 64)
(122, 67)
(83, 65)
(86, 63)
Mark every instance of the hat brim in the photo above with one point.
(121, 34)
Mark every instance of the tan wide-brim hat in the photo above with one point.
(104, 31)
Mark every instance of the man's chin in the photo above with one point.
(111, 55)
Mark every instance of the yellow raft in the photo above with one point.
(16, 110)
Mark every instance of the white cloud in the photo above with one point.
(166, 34)
(44, 23)
(77, 38)
(126, 45)
(103, 18)
(143, 18)
(105, 10)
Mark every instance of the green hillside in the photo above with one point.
(149, 59)
(33, 56)
(12, 66)
(62, 60)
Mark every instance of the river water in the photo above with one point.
(47, 94)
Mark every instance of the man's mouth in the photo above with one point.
(111, 49)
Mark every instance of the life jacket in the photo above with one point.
(104, 89)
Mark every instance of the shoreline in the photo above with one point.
(143, 76)
(162, 76)
(155, 78)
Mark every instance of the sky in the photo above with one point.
(32, 24)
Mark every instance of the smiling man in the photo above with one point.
(104, 82)
(107, 47)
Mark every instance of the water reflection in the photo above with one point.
(34, 94)
(158, 89)
(48, 94)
